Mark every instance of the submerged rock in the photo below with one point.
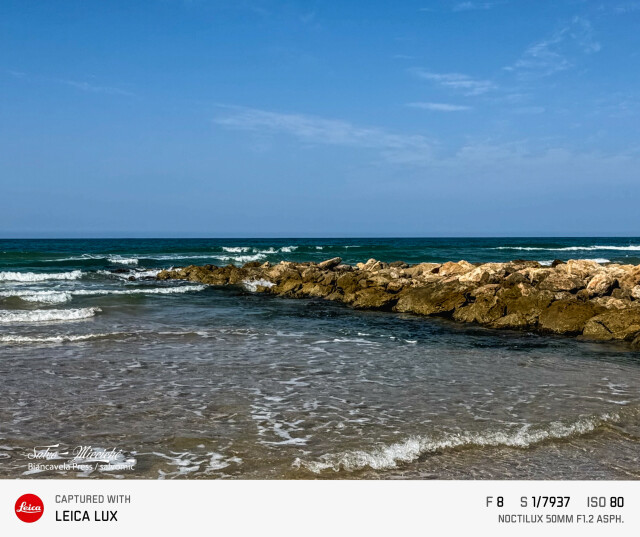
(579, 297)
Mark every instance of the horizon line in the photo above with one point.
(311, 237)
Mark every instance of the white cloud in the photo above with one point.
(551, 55)
(541, 59)
(317, 130)
(440, 107)
(471, 6)
(627, 7)
(458, 82)
(86, 86)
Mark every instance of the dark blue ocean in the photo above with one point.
(192, 381)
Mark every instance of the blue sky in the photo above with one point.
(262, 118)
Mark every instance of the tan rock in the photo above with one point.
(375, 298)
(535, 275)
(610, 302)
(421, 269)
(487, 273)
(451, 268)
(330, 263)
(566, 316)
(601, 284)
(434, 299)
(557, 281)
(614, 324)
(581, 268)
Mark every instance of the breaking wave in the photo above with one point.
(122, 260)
(386, 457)
(151, 291)
(136, 274)
(270, 250)
(241, 258)
(60, 297)
(252, 285)
(549, 262)
(42, 297)
(47, 315)
(111, 258)
(236, 249)
(39, 277)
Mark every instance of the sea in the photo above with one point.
(108, 373)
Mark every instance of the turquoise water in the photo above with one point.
(93, 254)
(193, 381)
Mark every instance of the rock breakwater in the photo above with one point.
(579, 298)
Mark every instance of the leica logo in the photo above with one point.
(29, 508)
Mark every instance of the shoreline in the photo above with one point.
(575, 298)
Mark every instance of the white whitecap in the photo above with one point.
(123, 260)
(236, 249)
(252, 285)
(140, 291)
(241, 258)
(42, 297)
(39, 277)
(136, 274)
(36, 316)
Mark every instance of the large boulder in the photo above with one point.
(371, 265)
(487, 273)
(435, 299)
(580, 268)
(559, 281)
(374, 298)
(614, 324)
(601, 284)
(484, 309)
(421, 269)
(330, 263)
(567, 316)
(450, 268)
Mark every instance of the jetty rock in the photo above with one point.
(579, 298)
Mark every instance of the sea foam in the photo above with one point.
(53, 339)
(390, 456)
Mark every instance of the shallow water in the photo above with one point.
(206, 382)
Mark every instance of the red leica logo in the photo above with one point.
(29, 508)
